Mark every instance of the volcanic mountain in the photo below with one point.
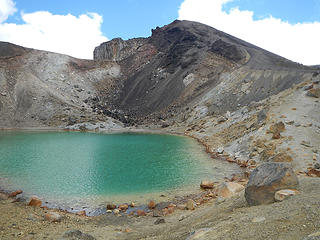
(181, 68)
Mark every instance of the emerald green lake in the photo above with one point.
(68, 166)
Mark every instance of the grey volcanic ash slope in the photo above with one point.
(184, 65)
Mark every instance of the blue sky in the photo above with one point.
(290, 28)
(121, 18)
(135, 18)
(293, 11)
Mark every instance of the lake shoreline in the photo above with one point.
(169, 197)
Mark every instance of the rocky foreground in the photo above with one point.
(245, 105)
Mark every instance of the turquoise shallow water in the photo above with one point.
(66, 165)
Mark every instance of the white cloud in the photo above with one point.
(6, 9)
(297, 42)
(67, 34)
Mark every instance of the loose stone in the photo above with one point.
(141, 213)
(151, 205)
(111, 206)
(190, 204)
(284, 194)
(229, 189)
(35, 202)
(205, 184)
(52, 217)
(15, 193)
(159, 221)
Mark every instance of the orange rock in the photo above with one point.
(151, 205)
(165, 211)
(123, 207)
(205, 184)
(170, 210)
(276, 135)
(35, 202)
(81, 213)
(15, 193)
(111, 206)
(141, 213)
(228, 189)
(52, 217)
(172, 205)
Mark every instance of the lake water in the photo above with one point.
(69, 167)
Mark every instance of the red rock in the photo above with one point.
(15, 193)
(141, 213)
(35, 202)
(151, 205)
(205, 184)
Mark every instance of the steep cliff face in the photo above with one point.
(118, 49)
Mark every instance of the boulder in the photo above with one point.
(206, 184)
(35, 202)
(284, 194)
(229, 189)
(267, 179)
(52, 217)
